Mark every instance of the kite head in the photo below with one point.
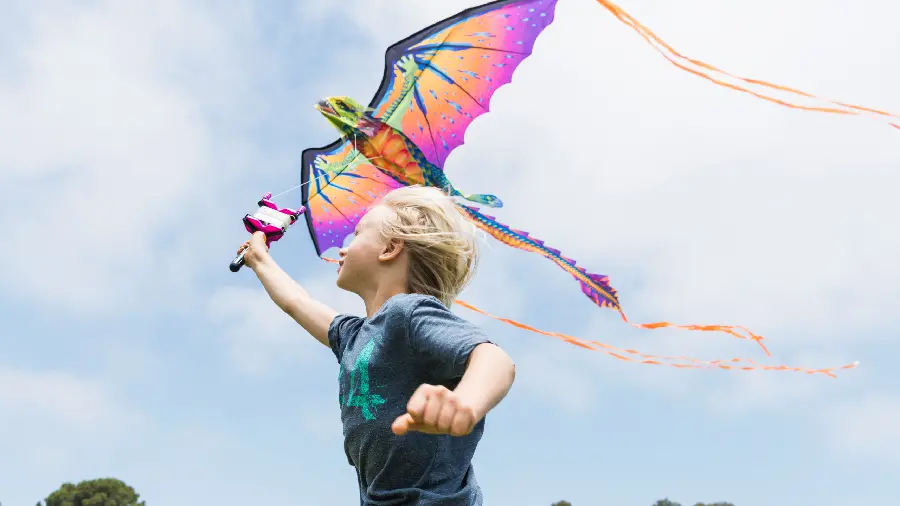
(346, 114)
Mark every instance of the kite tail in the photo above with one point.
(704, 70)
(679, 362)
(595, 286)
(635, 356)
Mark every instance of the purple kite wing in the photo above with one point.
(339, 184)
(440, 79)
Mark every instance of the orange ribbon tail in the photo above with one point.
(679, 362)
(673, 56)
(734, 330)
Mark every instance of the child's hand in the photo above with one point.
(436, 410)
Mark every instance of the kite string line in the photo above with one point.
(656, 42)
(323, 175)
(643, 358)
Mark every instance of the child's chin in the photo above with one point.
(341, 282)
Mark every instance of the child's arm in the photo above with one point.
(434, 409)
(311, 314)
(489, 376)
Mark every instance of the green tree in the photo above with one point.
(723, 503)
(666, 502)
(561, 503)
(100, 492)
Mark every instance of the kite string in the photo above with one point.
(316, 178)
(290, 189)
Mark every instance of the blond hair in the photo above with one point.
(443, 254)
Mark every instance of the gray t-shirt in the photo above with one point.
(413, 339)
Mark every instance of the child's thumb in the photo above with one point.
(402, 424)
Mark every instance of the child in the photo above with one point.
(416, 381)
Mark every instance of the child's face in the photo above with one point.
(360, 262)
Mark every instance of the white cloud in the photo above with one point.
(105, 148)
(70, 400)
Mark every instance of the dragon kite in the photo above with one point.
(436, 82)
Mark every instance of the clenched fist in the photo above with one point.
(256, 248)
(436, 410)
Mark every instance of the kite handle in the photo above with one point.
(270, 220)
(237, 263)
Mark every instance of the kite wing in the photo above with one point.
(437, 81)
(338, 185)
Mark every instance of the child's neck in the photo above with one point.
(375, 299)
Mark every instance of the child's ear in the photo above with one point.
(391, 250)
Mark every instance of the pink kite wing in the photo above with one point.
(339, 185)
(440, 79)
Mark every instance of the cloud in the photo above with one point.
(106, 149)
(72, 401)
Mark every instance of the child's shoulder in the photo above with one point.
(413, 307)
(407, 303)
(418, 310)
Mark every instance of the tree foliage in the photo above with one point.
(561, 503)
(99, 492)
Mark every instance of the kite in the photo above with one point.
(435, 83)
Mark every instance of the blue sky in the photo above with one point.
(137, 134)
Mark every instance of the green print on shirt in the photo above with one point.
(364, 399)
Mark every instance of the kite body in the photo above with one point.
(436, 82)
(389, 149)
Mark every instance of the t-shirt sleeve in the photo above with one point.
(442, 340)
(338, 331)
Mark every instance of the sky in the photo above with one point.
(137, 134)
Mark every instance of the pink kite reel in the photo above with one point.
(270, 220)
